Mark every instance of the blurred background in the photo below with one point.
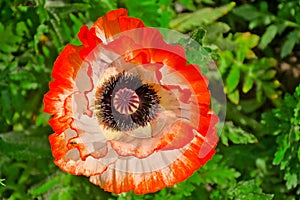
(256, 45)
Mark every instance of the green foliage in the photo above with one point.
(29, 145)
(160, 11)
(284, 123)
(24, 161)
(286, 18)
(29, 47)
(236, 135)
(248, 190)
(188, 21)
(258, 156)
(242, 70)
(65, 186)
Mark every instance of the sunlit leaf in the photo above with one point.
(205, 16)
(232, 79)
(248, 84)
(2, 182)
(268, 36)
(291, 180)
(234, 97)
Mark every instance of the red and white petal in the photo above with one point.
(67, 153)
(115, 22)
(159, 170)
(58, 100)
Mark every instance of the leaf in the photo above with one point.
(215, 31)
(198, 35)
(251, 105)
(232, 79)
(291, 180)
(189, 21)
(65, 193)
(110, 4)
(22, 29)
(2, 182)
(270, 74)
(284, 122)
(248, 190)
(268, 36)
(236, 135)
(248, 84)
(41, 30)
(214, 172)
(77, 23)
(248, 12)
(46, 186)
(9, 41)
(263, 20)
(25, 146)
(6, 106)
(189, 4)
(287, 47)
(247, 39)
(245, 42)
(279, 156)
(259, 91)
(215, 36)
(269, 90)
(65, 8)
(150, 8)
(234, 97)
(225, 62)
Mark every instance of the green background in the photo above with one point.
(256, 47)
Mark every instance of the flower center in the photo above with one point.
(126, 101)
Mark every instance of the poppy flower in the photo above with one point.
(128, 111)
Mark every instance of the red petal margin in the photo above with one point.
(58, 100)
(115, 22)
(141, 183)
(199, 84)
(89, 40)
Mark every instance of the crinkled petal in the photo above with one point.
(58, 100)
(66, 151)
(89, 40)
(115, 22)
(137, 175)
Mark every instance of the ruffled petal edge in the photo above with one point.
(58, 101)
